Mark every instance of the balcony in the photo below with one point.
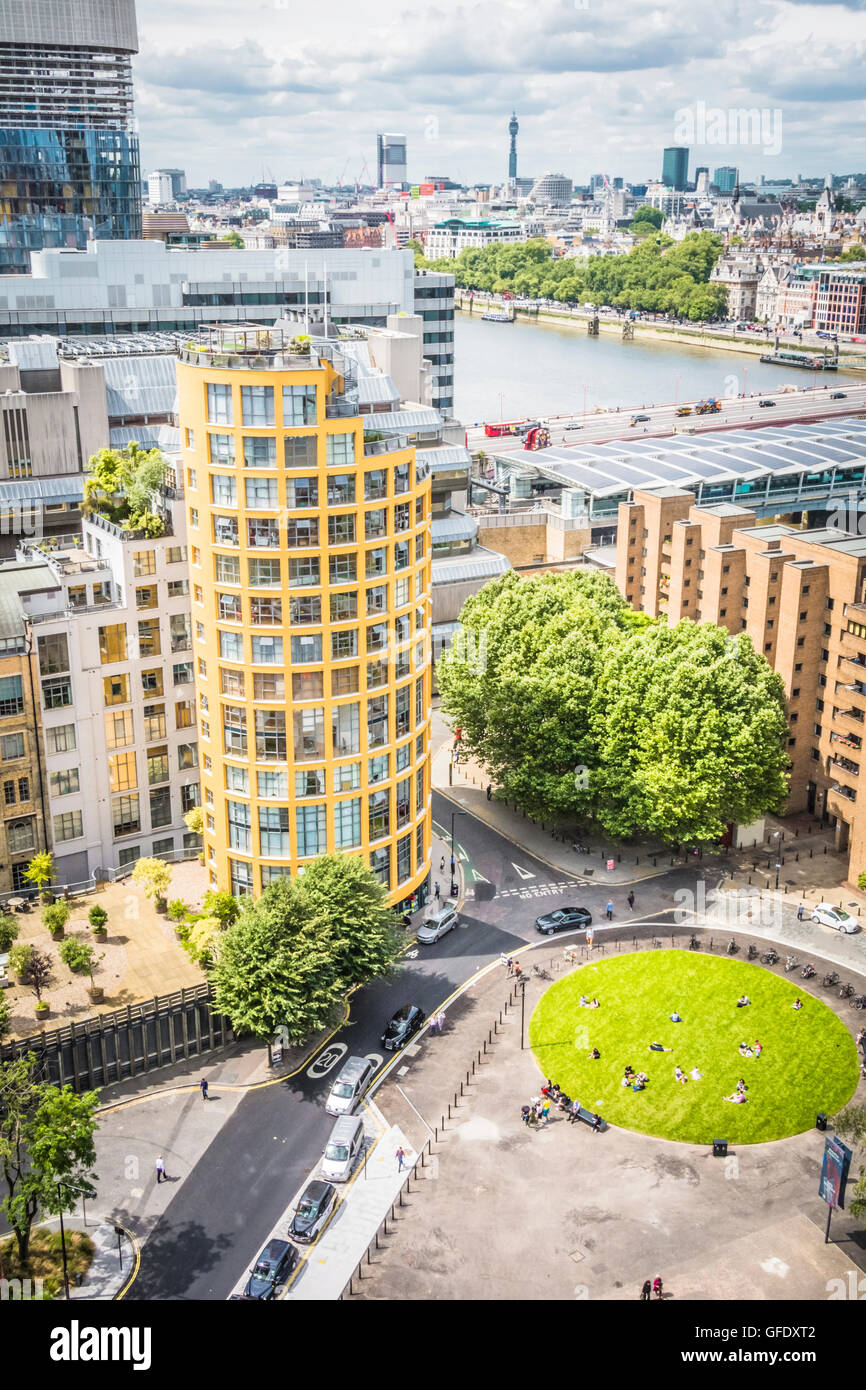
(386, 446)
(846, 792)
(845, 765)
(250, 347)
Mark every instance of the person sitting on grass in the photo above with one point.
(738, 1098)
(583, 1002)
(640, 1081)
(680, 1075)
(696, 1074)
(657, 1047)
(798, 1004)
(593, 1004)
(741, 1086)
(744, 1050)
(743, 1001)
(593, 1054)
(675, 1018)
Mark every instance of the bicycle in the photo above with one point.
(769, 958)
(753, 951)
(845, 991)
(539, 972)
(830, 979)
(859, 1001)
(791, 963)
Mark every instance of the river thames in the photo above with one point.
(518, 370)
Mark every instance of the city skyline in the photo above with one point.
(590, 91)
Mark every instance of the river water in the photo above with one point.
(544, 369)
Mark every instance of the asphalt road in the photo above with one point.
(793, 407)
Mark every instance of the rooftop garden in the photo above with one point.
(122, 485)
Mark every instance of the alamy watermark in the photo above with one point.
(848, 515)
(736, 908)
(732, 125)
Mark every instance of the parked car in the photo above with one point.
(836, 917)
(353, 1080)
(314, 1210)
(563, 919)
(271, 1269)
(438, 926)
(838, 396)
(403, 1026)
(766, 403)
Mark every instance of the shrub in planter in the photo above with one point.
(154, 876)
(55, 916)
(79, 957)
(97, 917)
(177, 909)
(40, 972)
(8, 930)
(42, 1009)
(19, 960)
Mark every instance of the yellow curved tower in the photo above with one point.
(310, 561)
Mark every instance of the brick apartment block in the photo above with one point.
(801, 598)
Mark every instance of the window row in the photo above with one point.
(311, 782)
(303, 572)
(310, 823)
(312, 833)
(257, 405)
(308, 727)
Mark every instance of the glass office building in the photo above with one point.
(69, 164)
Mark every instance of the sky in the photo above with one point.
(244, 90)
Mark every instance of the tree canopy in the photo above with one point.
(288, 960)
(584, 709)
(657, 275)
(46, 1139)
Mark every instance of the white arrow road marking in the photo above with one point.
(524, 873)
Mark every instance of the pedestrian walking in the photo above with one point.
(442, 865)
(609, 910)
(160, 1169)
(440, 1021)
(630, 901)
(799, 912)
(658, 1287)
(590, 936)
(203, 1088)
(646, 1291)
(437, 892)
(400, 1156)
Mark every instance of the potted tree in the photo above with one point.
(177, 911)
(40, 871)
(98, 918)
(8, 930)
(19, 960)
(81, 958)
(55, 916)
(40, 974)
(154, 877)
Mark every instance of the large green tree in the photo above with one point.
(46, 1139)
(519, 681)
(289, 959)
(690, 726)
(582, 709)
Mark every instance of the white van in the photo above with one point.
(344, 1146)
(349, 1086)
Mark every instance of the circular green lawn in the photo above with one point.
(808, 1063)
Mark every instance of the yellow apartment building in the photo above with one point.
(310, 559)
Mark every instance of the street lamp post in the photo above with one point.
(454, 815)
(63, 1241)
(522, 1012)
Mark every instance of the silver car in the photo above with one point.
(438, 925)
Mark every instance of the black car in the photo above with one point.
(403, 1026)
(838, 396)
(271, 1269)
(313, 1210)
(563, 919)
(766, 402)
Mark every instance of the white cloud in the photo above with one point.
(229, 90)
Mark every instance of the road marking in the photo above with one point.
(478, 878)
(524, 873)
(401, 1071)
(410, 955)
(327, 1060)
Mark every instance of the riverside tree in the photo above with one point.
(46, 1140)
(581, 708)
(287, 961)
